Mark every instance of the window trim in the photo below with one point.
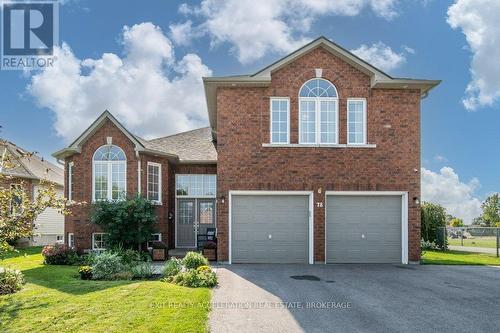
(12, 208)
(159, 201)
(93, 241)
(276, 98)
(70, 179)
(109, 175)
(71, 239)
(365, 139)
(317, 139)
(159, 239)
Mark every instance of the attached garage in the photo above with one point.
(368, 227)
(270, 227)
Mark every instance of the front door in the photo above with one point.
(186, 213)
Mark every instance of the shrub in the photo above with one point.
(128, 223)
(195, 278)
(193, 260)
(172, 267)
(106, 265)
(433, 224)
(142, 270)
(203, 269)
(85, 272)
(59, 254)
(11, 281)
(131, 257)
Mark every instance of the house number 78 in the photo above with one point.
(319, 204)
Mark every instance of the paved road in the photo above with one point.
(356, 298)
(488, 250)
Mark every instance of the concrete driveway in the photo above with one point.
(356, 298)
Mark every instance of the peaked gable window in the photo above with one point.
(109, 169)
(318, 112)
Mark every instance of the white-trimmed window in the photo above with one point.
(154, 238)
(71, 239)
(109, 173)
(318, 112)
(154, 182)
(98, 241)
(70, 180)
(356, 121)
(280, 120)
(196, 185)
(16, 199)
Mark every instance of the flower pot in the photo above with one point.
(159, 254)
(210, 254)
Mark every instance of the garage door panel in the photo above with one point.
(270, 228)
(377, 218)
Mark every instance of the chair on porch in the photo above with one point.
(209, 236)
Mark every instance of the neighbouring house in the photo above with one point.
(315, 158)
(33, 172)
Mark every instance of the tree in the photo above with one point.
(456, 222)
(433, 221)
(128, 223)
(491, 211)
(18, 210)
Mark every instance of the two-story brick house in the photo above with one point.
(315, 158)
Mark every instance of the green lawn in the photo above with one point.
(458, 258)
(490, 242)
(56, 300)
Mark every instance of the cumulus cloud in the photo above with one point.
(478, 20)
(148, 89)
(254, 28)
(381, 56)
(446, 188)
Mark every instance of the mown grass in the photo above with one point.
(458, 258)
(56, 300)
(489, 242)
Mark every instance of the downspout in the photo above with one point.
(139, 176)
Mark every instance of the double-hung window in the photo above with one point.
(356, 121)
(318, 112)
(154, 182)
(109, 173)
(280, 120)
(98, 241)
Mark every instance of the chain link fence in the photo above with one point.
(472, 239)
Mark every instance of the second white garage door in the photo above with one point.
(270, 229)
(364, 229)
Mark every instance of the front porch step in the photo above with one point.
(179, 253)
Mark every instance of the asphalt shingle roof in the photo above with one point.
(194, 145)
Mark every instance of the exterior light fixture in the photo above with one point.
(416, 201)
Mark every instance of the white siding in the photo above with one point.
(50, 222)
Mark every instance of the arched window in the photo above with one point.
(109, 169)
(318, 112)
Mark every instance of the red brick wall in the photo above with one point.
(78, 222)
(243, 126)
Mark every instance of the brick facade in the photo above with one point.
(393, 124)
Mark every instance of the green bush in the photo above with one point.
(142, 270)
(106, 265)
(85, 272)
(433, 224)
(11, 281)
(59, 255)
(195, 278)
(172, 267)
(128, 223)
(131, 257)
(193, 260)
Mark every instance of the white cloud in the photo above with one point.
(440, 158)
(478, 20)
(148, 89)
(446, 188)
(254, 28)
(380, 56)
(182, 33)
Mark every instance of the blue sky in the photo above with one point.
(413, 38)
